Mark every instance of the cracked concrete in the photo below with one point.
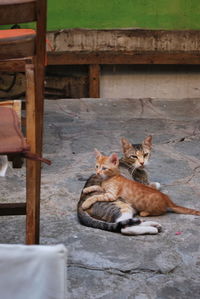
(109, 265)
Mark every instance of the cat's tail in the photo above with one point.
(172, 207)
(87, 220)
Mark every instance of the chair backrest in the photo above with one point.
(24, 11)
(17, 11)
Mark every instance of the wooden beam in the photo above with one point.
(33, 168)
(10, 209)
(94, 81)
(119, 57)
(12, 66)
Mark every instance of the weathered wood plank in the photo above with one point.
(33, 169)
(124, 46)
(77, 40)
(116, 57)
(13, 65)
(94, 81)
(8, 209)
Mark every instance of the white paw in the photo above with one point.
(153, 224)
(139, 230)
(155, 185)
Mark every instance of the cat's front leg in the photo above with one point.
(92, 189)
(101, 197)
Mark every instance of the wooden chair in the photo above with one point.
(24, 50)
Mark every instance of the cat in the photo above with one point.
(136, 157)
(146, 200)
(3, 165)
(117, 216)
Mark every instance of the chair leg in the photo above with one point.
(33, 202)
(33, 168)
(39, 92)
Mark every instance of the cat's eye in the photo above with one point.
(133, 157)
(97, 166)
(104, 168)
(145, 155)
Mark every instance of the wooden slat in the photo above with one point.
(33, 169)
(114, 57)
(17, 11)
(94, 81)
(8, 209)
(124, 40)
(20, 48)
(40, 72)
(13, 65)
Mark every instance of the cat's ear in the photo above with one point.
(114, 159)
(148, 141)
(125, 144)
(97, 153)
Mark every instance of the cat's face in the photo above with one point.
(137, 154)
(106, 166)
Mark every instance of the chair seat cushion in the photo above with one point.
(17, 43)
(11, 138)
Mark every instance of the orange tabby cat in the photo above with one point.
(146, 200)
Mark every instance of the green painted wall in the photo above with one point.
(100, 14)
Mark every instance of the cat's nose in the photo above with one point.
(142, 163)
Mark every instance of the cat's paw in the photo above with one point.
(139, 230)
(155, 185)
(153, 224)
(87, 190)
(86, 205)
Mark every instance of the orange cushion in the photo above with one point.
(11, 35)
(16, 32)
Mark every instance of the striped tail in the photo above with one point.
(87, 220)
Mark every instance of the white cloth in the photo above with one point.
(3, 165)
(32, 272)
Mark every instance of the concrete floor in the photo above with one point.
(108, 265)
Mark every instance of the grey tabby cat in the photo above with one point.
(119, 216)
(136, 157)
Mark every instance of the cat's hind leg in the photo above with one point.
(135, 226)
(126, 211)
(152, 223)
(126, 215)
(139, 230)
(145, 227)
